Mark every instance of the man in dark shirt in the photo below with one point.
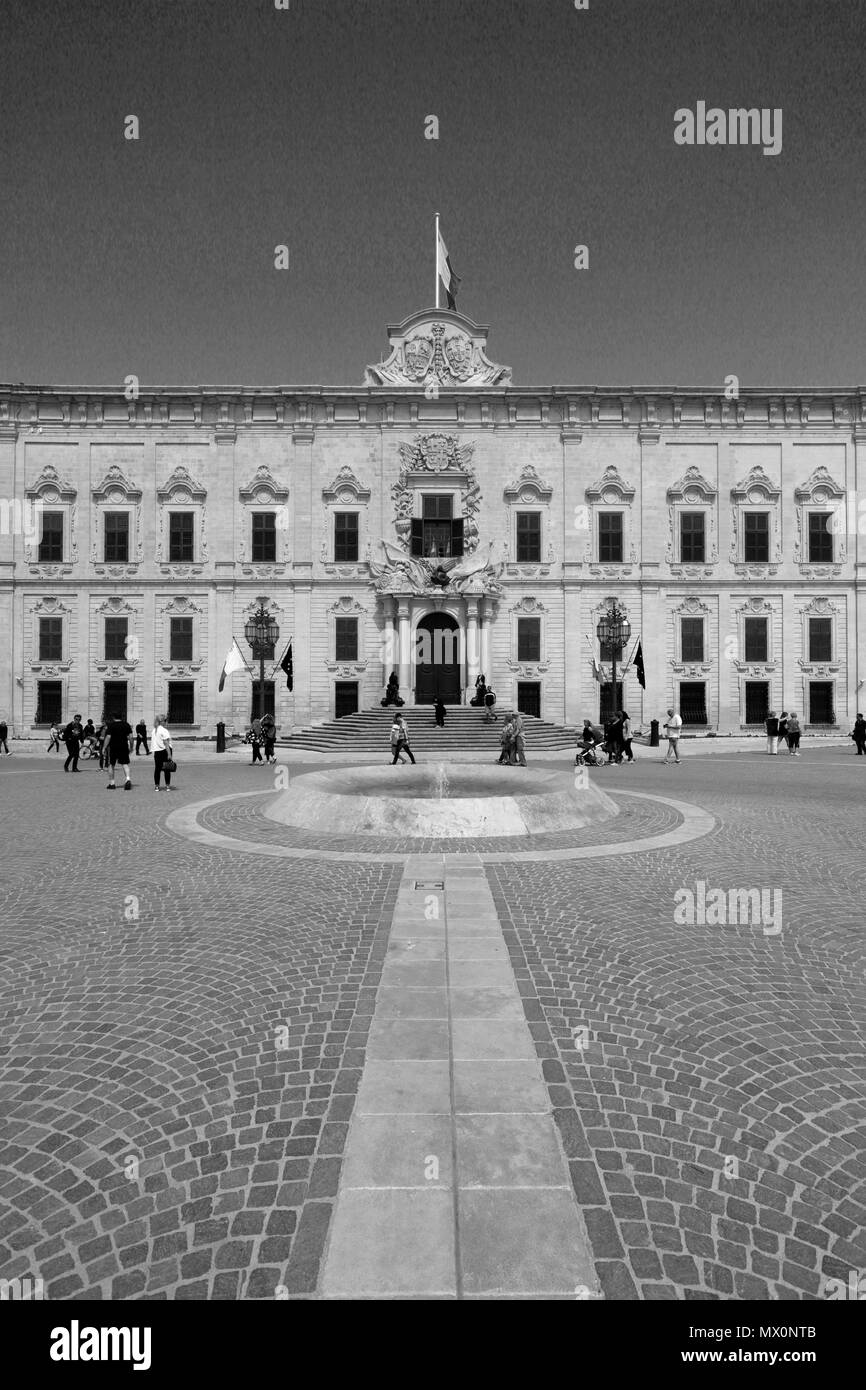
(141, 737)
(4, 734)
(72, 738)
(119, 746)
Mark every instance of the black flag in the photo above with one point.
(638, 666)
(286, 665)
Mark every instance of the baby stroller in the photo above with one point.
(588, 756)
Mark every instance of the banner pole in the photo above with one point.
(436, 262)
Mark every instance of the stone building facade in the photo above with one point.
(438, 521)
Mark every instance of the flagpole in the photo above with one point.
(436, 262)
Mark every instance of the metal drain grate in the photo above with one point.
(429, 883)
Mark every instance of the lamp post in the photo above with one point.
(261, 631)
(613, 630)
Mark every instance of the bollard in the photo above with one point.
(221, 737)
(654, 733)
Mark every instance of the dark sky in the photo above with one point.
(306, 127)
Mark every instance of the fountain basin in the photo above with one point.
(439, 801)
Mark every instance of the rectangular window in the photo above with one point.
(180, 537)
(115, 547)
(181, 702)
(610, 538)
(610, 651)
(528, 639)
(820, 639)
(755, 639)
(436, 516)
(180, 640)
(49, 702)
(821, 702)
(346, 645)
(692, 639)
(692, 544)
(264, 543)
(756, 538)
(820, 537)
(269, 700)
(528, 538)
(345, 698)
(693, 702)
(346, 537)
(115, 638)
(757, 701)
(607, 704)
(529, 698)
(51, 543)
(114, 695)
(50, 639)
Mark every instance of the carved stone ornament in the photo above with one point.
(439, 347)
(528, 488)
(405, 574)
(820, 490)
(440, 454)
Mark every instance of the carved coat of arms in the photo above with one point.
(460, 357)
(417, 356)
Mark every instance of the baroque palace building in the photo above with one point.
(440, 521)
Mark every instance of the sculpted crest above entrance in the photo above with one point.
(437, 347)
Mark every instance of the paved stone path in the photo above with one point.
(455, 1183)
(186, 1032)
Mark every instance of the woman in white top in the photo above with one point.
(160, 743)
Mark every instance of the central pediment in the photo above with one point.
(437, 347)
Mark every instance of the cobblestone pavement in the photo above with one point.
(709, 1081)
(158, 1141)
(161, 1137)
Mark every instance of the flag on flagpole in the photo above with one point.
(638, 666)
(445, 270)
(287, 666)
(597, 672)
(234, 662)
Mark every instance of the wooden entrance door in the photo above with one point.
(437, 660)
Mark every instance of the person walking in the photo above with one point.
(489, 706)
(141, 738)
(118, 746)
(673, 724)
(506, 738)
(72, 738)
(783, 729)
(793, 735)
(400, 739)
(4, 735)
(859, 735)
(53, 740)
(258, 739)
(99, 743)
(439, 711)
(160, 742)
(615, 739)
(518, 746)
(269, 735)
(772, 727)
(626, 738)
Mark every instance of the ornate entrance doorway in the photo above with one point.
(437, 660)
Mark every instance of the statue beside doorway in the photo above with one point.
(392, 692)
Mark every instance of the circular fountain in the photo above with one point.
(440, 801)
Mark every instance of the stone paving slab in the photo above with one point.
(454, 1180)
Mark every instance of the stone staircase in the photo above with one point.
(369, 731)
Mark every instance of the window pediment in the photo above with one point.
(692, 489)
(116, 487)
(528, 488)
(610, 488)
(50, 486)
(346, 490)
(263, 488)
(181, 487)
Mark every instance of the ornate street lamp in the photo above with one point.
(613, 631)
(262, 633)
